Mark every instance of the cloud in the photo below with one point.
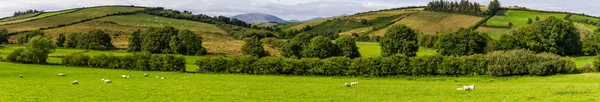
(286, 9)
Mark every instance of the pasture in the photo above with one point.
(494, 33)
(519, 18)
(142, 20)
(67, 18)
(369, 49)
(25, 18)
(434, 22)
(41, 83)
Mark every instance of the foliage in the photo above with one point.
(60, 41)
(427, 40)
(347, 46)
(159, 11)
(187, 43)
(167, 40)
(320, 47)
(524, 62)
(493, 7)
(28, 35)
(463, 42)
(464, 7)
(93, 39)
(399, 39)
(551, 35)
(18, 13)
(272, 42)
(137, 61)
(253, 47)
(135, 41)
(36, 51)
(294, 47)
(597, 63)
(517, 62)
(3, 36)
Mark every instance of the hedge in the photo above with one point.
(137, 61)
(500, 63)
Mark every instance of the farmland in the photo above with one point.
(41, 83)
(433, 22)
(519, 18)
(24, 18)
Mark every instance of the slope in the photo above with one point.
(36, 16)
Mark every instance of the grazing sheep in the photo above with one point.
(21, 75)
(347, 84)
(162, 78)
(157, 77)
(107, 81)
(103, 79)
(128, 77)
(353, 83)
(467, 88)
(124, 76)
(75, 82)
(62, 74)
(146, 75)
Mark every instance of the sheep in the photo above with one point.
(163, 78)
(20, 75)
(347, 84)
(103, 79)
(353, 83)
(467, 88)
(75, 82)
(146, 75)
(128, 77)
(124, 76)
(62, 74)
(157, 77)
(107, 81)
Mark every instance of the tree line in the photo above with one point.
(501, 63)
(144, 61)
(18, 13)
(464, 7)
(166, 40)
(307, 45)
(93, 40)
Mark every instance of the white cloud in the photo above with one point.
(286, 9)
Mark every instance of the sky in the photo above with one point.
(285, 9)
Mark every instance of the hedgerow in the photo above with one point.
(137, 61)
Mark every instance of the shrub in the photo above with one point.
(137, 61)
(597, 63)
(254, 47)
(463, 42)
(399, 39)
(347, 46)
(36, 51)
(524, 62)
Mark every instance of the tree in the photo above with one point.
(135, 41)
(187, 43)
(463, 42)
(510, 24)
(493, 7)
(25, 37)
(294, 47)
(254, 47)
(399, 39)
(550, 35)
(529, 21)
(3, 36)
(94, 40)
(347, 45)
(36, 51)
(320, 47)
(537, 18)
(156, 40)
(60, 41)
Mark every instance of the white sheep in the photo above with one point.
(62, 74)
(347, 84)
(467, 88)
(107, 81)
(146, 75)
(162, 78)
(21, 75)
(75, 82)
(157, 77)
(128, 77)
(353, 83)
(124, 76)
(103, 79)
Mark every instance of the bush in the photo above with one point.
(524, 62)
(36, 51)
(399, 39)
(597, 63)
(463, 42)
(254, 47)
(137, 61)
(93, 39)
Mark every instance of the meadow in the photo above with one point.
(434, 22)
(519, 18)
(25, 18)
(40, 83)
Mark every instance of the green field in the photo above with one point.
(155, 21)
(368, 49)
(519, 18)
(19, 17)
(82, 14)
(40, 83)
(45, 14)
(579, 17)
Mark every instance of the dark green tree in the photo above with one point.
(320, 47)
(72, 40)
(347, 45)
(135, 41)
(254, 47)
(550, 35)
(493, 7)
(26, 36)
(36, 51)
(510, 24)
(60, 41)
(399, 39)
(294, 47)
(463, 42)
(156, 40)
(3, 36)
(529, 21)
(537, 18)
(187, 43)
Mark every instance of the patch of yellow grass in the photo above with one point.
(310, 23)
(358, 31)
(156, 21)
(433, 22)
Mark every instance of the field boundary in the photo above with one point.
(76, 9)
(22, 18)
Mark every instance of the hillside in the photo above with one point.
(258, 18)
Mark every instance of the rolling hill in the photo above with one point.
(258, 18)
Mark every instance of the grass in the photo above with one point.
(519, 18)
(119, 33)
(80, 15)
(580, 61)
(579, 17)
(368, 49)
(434, 22)
(310, 23)
(40, 83)
(18, 17)
(45, 14)
(155, 21)
(494, 33)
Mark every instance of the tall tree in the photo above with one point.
(320, 47)
(493, 7)
(156, 40)
(550, 35)
(399, 39)
(294, 47)
(463, 42)
(254, 47)
(347, 45)
(187, 43)
(60, 41)
(36, 51)
(25, 38)
(3, 36)
(135, 41)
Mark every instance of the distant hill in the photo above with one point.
(259, 18)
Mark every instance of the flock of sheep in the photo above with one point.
(76, 82)
(464, 88)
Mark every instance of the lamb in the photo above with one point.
(146, 75)
(107, 81)
(347, 84)
(75, 82)
(128, 77)
(353, 83)
(62, 74)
